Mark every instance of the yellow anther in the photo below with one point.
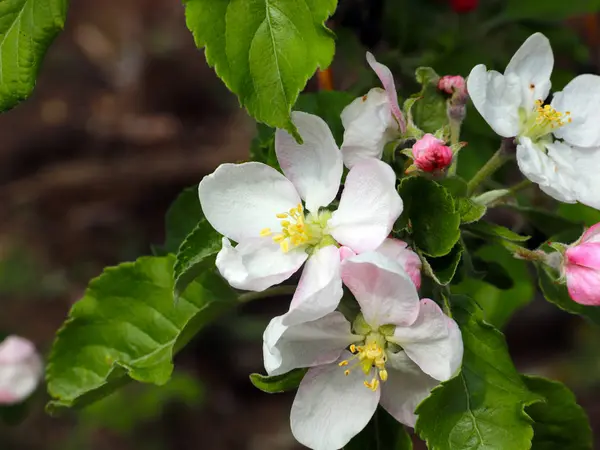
(383, 375)
(343, 363)
(281, 215)
(353, 348)
(373, 385)
(285, 223)
(278, 238)
(285, 246)
(265, 232)
(346, 372)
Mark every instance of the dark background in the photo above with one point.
(126, 113)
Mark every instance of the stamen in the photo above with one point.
(265, 232)
(368, 357)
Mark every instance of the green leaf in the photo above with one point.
(27, 28)
(556, 292)
(181, 218)
(547, 222)
(482, 407)
(383, 432)
(430, 209)
(469, 210)
(278, 383)
(455, 185)
(194, 256)
(443, 269)
(262, 148)
(264, 51)
(127, 327)
(550, 9)
(559, 422)
(429, 111)
(486, 230)
(578, 213)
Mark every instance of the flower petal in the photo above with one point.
(307, 344)
(405, 388)
(533, 64)
(399, 251)
(20, 369)
(240, 200)
(433, 342)
(320, 288)
(583, 284)
(497, 98)
(257, 264)
(592, 234)
(384, 291)
(369, 126)
(586, 254)
(315, 167)
(387, 79)
(369, 206)
(581, 98)
(330, 408)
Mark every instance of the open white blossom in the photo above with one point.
(558, 143)
(20, 369)
(262, 210)
(394, 353)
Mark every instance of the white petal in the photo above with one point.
(20, 369)
(497, 98)
(307, 344)
(369, 206)
(533, 64)
(399, 251)
(405, 388)
(330, 408)
(552, 177)
(257, 264)
(320, 287)
(369, 126)
(387, 79)
(315, 167)
(582, 164)
(239, 200)
(433, 342)
(581, 98)
(384, 291)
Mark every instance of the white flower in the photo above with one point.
(394, 353)
(20, 369)
(261, 209)
(513, 104)
(373, 120)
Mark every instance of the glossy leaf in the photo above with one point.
(443, 269)
(559, 422)
(278, 383)
(483, 406)
(383, 432)
(127, 327)
(27, 28)
(491, 230)
(181, 218)
(429, 111)
(469, 210)
(264, 51)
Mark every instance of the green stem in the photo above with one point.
(454, 139)
(519, 187)
(270, 292)
(493, 164)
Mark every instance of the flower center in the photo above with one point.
(370, 358)
(300, 230)
(545, 120)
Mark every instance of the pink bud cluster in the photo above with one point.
(431, 154)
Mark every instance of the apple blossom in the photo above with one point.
(20, 369)
(397, 349)
(261, 209)
(581, 268)
(431, 155)
(451, 83)
(373, 120)
(513, 105)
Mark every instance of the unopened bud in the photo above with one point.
(464, 6)
(431, 155)
(451, 84)
(581, 268)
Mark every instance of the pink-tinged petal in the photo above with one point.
(384, 291)
(331, 408)
(305, 345)
(20, 369)
(583, 284)
(240, 200)
(387, 80)
(319, 290)
(257, 264)
(433, 342)
(346, 252)
(451, 83)
(399, 251)
(533, 64)
(405, 388)
(586, 255)
(369, 126)
(431, 155)
(369, 206)
(580, 98)
(592, 234)
(315, 167)
(497, 98)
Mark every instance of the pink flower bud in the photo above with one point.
(452, 83)
(20, 369)
(431, 155)
(399, 251)
(581, 267)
